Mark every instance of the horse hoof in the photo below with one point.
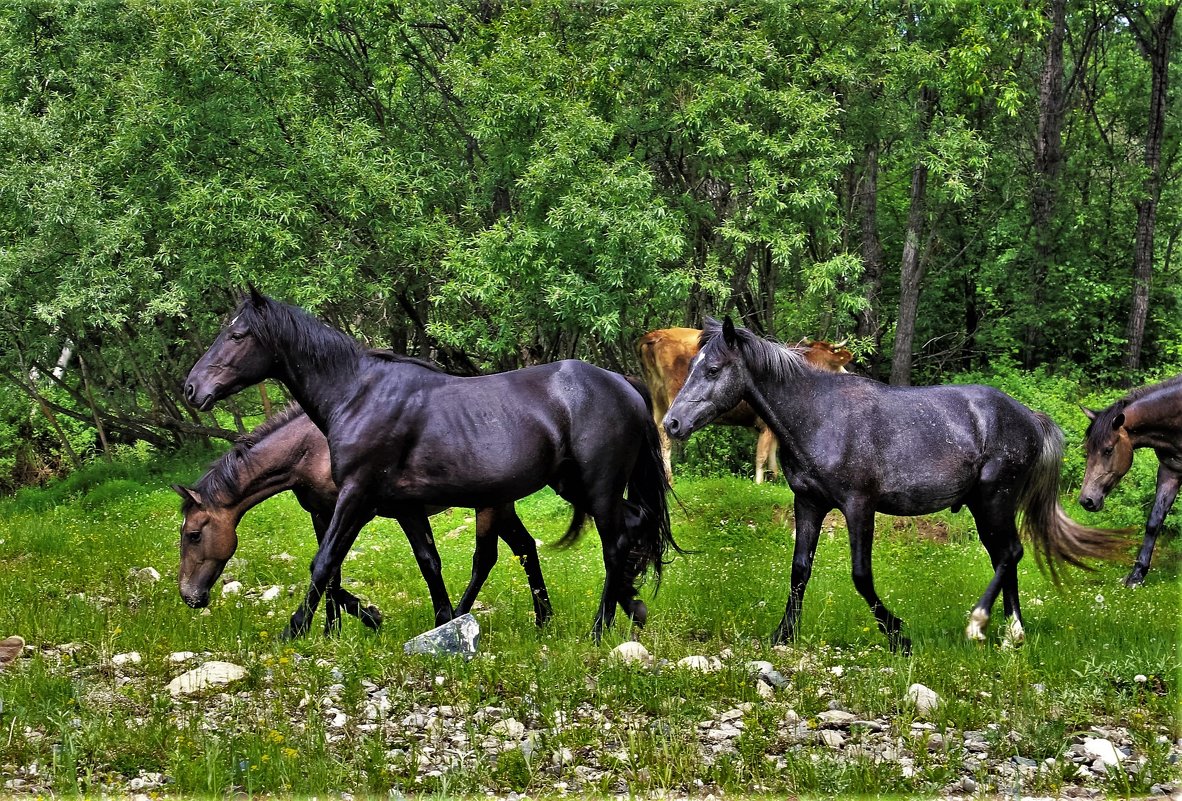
(371, 618)
(978, 621)
(1135, 579)
(291, 633)
(1015, 635)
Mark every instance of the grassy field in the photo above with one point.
(548, 712)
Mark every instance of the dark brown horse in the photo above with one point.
(1147, 417)
(288, 452)
(404, 437)
(853, 444)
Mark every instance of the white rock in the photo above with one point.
(759, 667)
(176, 657)
(765, 690)
(631, 651)
(148, 574)
(271, 593)
(339, 720)
(210, 674)
(129, 658)
(831, 738)
(232, 588)
(509, 727)
(924, 699)
(699, 663)
(1102, 750)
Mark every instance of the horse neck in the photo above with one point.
(790, 409)
(318, 384)
(268, 470)
(1156, 421)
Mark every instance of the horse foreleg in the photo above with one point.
(766, 446)
(1167, 490)
(613, 536)
(808, 528)
(350, 516)
(418, 531)
(860, 522)
(338, 599)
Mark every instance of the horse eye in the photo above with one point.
(712, 372)
(237, 335)
(193, 536)
(1108, 451)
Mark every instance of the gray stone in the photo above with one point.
(968, 785)
(699, 663)
(837, 717)
(459, 635)
(774, 678)
(833, 739)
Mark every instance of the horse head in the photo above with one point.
(718, 378)
(1110, 454)
(236, 359)
(209, 538)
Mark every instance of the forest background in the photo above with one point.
(960, 190)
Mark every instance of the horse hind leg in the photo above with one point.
(999, 534)
(860, 521)
(808, 529)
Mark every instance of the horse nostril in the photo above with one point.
(672, 425)
(1088, 504)
(190, 392)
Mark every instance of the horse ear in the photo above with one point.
(187, 495)
(1090, 414)
(728, 332)
(1118, 421)
(257, 299)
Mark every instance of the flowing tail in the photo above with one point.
(1056, 537)
(650, 534)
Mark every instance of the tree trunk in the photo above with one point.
(98, 423)
(912, 266)
(868, 323)
(1048, 162)
(1153, 37)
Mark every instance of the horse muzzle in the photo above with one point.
(195, 600)
(1092, 503)
(677, 427)
(202, 401)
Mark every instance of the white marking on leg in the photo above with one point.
(1015, 635)
(978, 621)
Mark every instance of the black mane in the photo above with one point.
(283, 328)
(222, 479)
(1104, 418)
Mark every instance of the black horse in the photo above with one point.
(288, 452)
(863, 447)
(404, 437)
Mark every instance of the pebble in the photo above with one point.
(148, 574)
(176, 657)
(232, 588)
(831, 738)
(510, 727)
(271, 593)
(699, 663)
(837, 717)
(129, 658)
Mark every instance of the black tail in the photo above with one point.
(650, 534)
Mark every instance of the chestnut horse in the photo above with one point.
(288, 452)
(665, 356)
(404, 437)
(1147, 417)
(853, 444)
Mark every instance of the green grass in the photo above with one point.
(64, 579)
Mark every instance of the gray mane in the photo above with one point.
(763, 357)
